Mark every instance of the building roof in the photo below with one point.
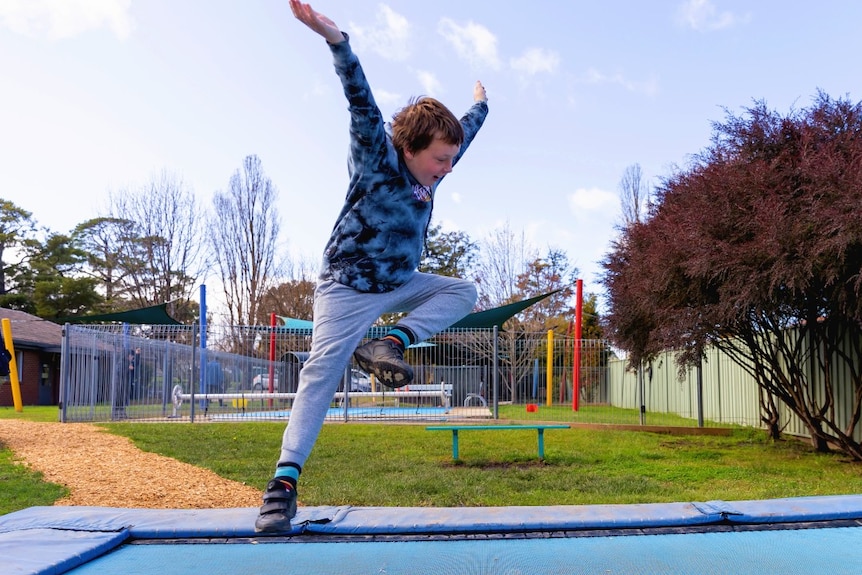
(31, 332)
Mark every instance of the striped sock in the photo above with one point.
(288, 472)
(396, 340)
(401, 335)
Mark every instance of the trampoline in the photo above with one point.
(794, 535)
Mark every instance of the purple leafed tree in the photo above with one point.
(756, 248)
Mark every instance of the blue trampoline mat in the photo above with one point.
(794, 535)
(739, 553)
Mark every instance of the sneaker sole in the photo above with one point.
(388, 374)
(272, 523)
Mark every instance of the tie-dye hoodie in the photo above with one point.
(378, 238)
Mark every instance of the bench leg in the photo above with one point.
(541, 443)
(455, 444)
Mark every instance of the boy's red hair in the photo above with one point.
(416, 125)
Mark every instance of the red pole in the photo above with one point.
(271, 354)
(570, 332)
(576, 360)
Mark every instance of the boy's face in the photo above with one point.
(432, 163)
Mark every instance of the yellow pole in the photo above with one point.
(13, 365)
(550, 365)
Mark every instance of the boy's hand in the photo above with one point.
(479, 94)
(316, 21)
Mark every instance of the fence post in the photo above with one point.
(576, 356)
(641, 393)
(65, 376)
(202, 384)
(495, 373)
(549, 366)
(700, 392)
(192, 374)
(271, 371)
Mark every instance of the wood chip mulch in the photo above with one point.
(101, 469)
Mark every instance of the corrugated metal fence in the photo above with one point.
(724, 393)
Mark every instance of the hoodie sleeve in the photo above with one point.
(471, 121)
(367, 131)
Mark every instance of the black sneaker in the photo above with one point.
(385, 359)
(279, 507)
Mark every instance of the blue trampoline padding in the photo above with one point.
(799, 509)
(49, 540)
(53, 551)
(436, 520)
(154, 523)
(346, 520)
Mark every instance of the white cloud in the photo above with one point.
(389, 37)
(430, 84)
(702, 15)
(388, 99)
(473, 42)
(59, 19)
(592, 200)
(648, 87)
(536, 61)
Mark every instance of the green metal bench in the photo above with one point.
(540, 429)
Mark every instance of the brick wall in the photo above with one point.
(31, 373)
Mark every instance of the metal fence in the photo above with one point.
(176, 373)
(722, 394)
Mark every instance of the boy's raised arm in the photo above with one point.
(316, 21)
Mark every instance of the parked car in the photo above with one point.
(359, 380)
(261, 383)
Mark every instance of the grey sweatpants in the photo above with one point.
(342, 316)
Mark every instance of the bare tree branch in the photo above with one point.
(244, 236)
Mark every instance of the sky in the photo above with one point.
(98, 96)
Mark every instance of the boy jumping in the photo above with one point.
(370, 261)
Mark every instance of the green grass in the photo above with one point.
(602, 414)
(405, 465)
(31, 413)
(22, 487)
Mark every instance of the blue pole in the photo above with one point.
(203, 354)
(535, 378)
